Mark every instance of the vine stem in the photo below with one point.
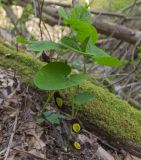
(75, 112)
(50, 94)
(72, 113)
(84, 67)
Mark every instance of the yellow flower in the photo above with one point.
(77, 145)
(76, 127)
(59, 102)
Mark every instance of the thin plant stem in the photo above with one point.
(76, 112)
(84, 67)
(73, 108)
(85, 71)
(40, 12)
(50, 94)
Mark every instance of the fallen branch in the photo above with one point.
(11, 138)
(112, 14)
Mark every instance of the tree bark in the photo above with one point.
(118, 31)
(107, 116)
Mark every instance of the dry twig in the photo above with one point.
(12, 136)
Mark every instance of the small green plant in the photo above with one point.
(57, 75)
(53, 118)
(81, 40)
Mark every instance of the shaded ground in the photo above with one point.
(22, 138)
(20, 135)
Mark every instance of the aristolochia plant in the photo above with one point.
(81, 40)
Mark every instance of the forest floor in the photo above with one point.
(22, 138)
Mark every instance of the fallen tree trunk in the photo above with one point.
(107, 115)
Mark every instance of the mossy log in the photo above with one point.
(107, 115)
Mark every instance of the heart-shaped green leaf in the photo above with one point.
(56, 75)
(44, 45)
(82, 98)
